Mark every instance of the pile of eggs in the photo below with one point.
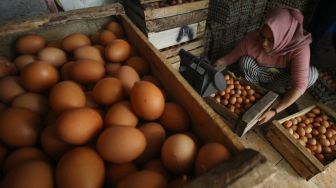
(85, 112)
(317, 132)
(237, 97)
(329, 78)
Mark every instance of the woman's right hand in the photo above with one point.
(219, 64)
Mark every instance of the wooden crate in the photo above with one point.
(205, 122)
(304, 162)
(245, 122)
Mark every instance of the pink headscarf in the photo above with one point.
(286, 26)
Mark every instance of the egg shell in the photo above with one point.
(155, 136)
(121, 114)
(117, 51)
(53, 56)
(6, 67)
(79, 125)
(30, 44)
(108, 91)
(128, 76)
(23, 60)
(121, 144)
(156, 165)
(80, 167)
(10, 87)
(37, 174)
(116, 172)
(88, 52)
(178, 153)
(66, 95)
(66, 70)
(209, 156)
(174, 117)
(106, 37)
(143, 179)
(74, 41)
(39, 76)
(116, 28)
(139, 64)
(19, 127)
(87, 71)
(147, 100)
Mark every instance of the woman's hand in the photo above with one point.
(266, 117)
(219, 63)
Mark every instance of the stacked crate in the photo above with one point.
(171, 25)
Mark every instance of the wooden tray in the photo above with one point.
(304, 162)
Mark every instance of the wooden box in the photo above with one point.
(303, 161)
(163, 25)
(244, 122)
(205, 122)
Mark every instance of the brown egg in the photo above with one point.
(88, 52)
(80, 167)
(10, 87)
(112, 68)
(39, 76)
(66, 95)
(147, 100)
(232, 100)
(120, 114)
(108, 91)
(53, 56)
(121, 144)
(79, 126)
(6, 67)
(74, 41)
(52, 144)
(37, 174)
(30, 44)
(90, 101)
(143, 179)
(87, 71)
(288, 124)
(128, 76)
(156, 165)
(116, 172)
(66, 70)
(139, 64)
(32, 101)
(118, 51)
(19, 127)
(106, 37)
(21, 156)
(209, 156)
(174, 118)
(116, 28)
(100, 48)
(23, 60)
(155, 136)
(316, 111)
(178, 153)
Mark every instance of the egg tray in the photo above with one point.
(244, 122)
(303, 161)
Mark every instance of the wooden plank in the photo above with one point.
(151, 14)
(149, 1)
(176, 20)
(197, 52)
(164, 39)
(173, 51)
(300, 113)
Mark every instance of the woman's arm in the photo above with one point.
(231, 57)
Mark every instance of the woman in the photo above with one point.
(279, 53)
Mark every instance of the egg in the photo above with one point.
(19, 127)
(80, 167)
(128, 77)
(87, 71)
(209, 156)
(39, 76)
(178, 153)
(79, 126)
(66, 95)
(117, 51)
(174, 118)
(6, 67)
(10, 87)
(32, 101)
(90, 101)
(74, 41)
(23, 60)
(108, 91)
(88, 52)
(121, 114)
(116, 28)
(106, 37)
(143, 179)
(139, 64)
(147, 100)
(66, 70)
(121, 144)
(116, 172)
(53, 56)
(30, 44)
(155, 136)
(156, 165)
(112, 68)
